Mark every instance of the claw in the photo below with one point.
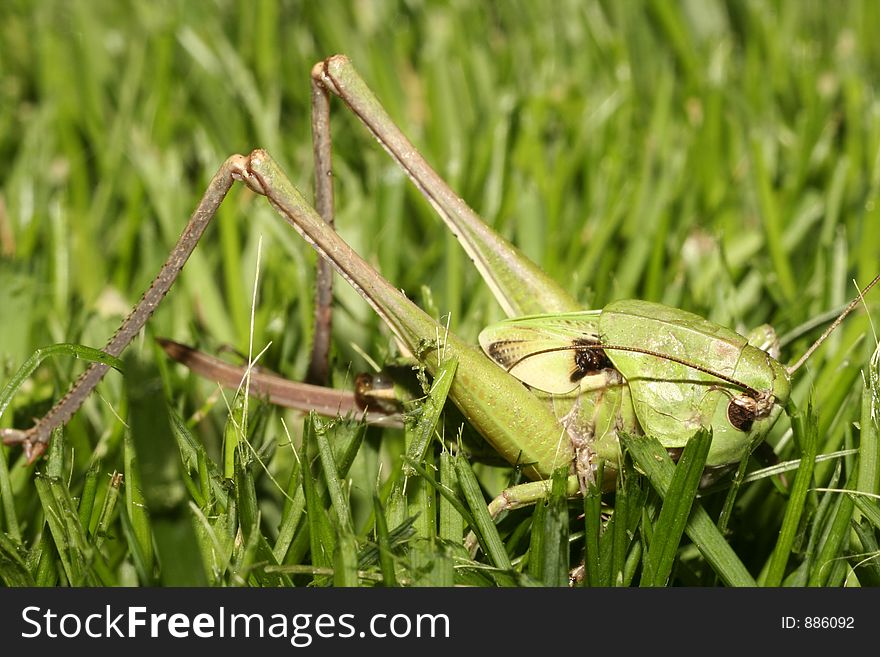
(34, 450)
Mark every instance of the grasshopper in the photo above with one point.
(553, 386)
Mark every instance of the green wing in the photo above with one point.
(515, 344)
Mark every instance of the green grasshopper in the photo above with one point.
(633, 367)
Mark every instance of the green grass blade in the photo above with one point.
(429, 413)
(730, 498)
(87, 354)
(869, 441)
(447, 493)
(655, 462)
(383, 542)
(194, 458)
(257, 554)
(234, 431)
(620, 538)
(7, 499)
(13, 569)
(868, 507)
(806, 432)
(592, 529)
(106, 515)
(338, 499)
(554, 527)
(345, 562)
(675, 511)
(159, 479)
(47, 565)
(868, 564)
(87, 497)
(451, 523)
(82, 564)
(537, 542)
(137, 514)
(293, 511)
(484, 525)
(835, 541)
(770, 215)
(321, 536)
(142, 565)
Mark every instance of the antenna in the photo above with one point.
(639, 350)
(846, 311)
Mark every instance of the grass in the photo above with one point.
(718, 157)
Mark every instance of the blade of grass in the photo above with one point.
(730, 498)
(321, 536)
(869, 441)
(383, 541)
(136, 512)
(212, 486)
(650, 456)
(87, 497)
(451, 522)
(345, 563)
(429, 413)
(772, 220)
(7, 499)
(142, 565)
(868, 562)
(82, 564)
(292, 512)
(836, 539)
(593, 528)
(675, 511)
(447, 493)
(537, 539)
(106, 515)
(867, 507)
(556, 534)
(157, 464)
(805, 427)
(623, 504)
(82, 352)
(484, 525)
(46, 568)
(338, 499)
(257, 553)
(13, 570)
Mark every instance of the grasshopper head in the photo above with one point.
(686, 373)
(746, 408)
(743, 417)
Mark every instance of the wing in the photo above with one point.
(521, 347)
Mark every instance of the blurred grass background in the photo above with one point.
(717, 156)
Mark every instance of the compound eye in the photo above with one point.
(740, 416)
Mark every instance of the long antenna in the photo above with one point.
(598, 346)
(834, 325)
